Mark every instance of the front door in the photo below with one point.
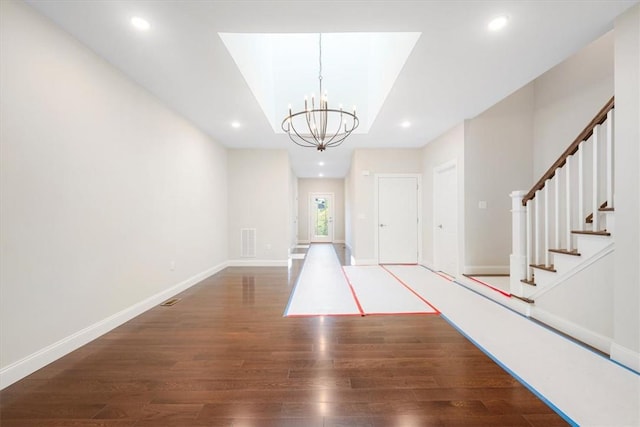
(321, 217)
(398, 219)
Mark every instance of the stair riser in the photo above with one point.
(565, 262)
(543, 277)
(590, 245)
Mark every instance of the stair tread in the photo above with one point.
(525, 299)
(592, 233)
(544, 267)
(573, 252)
(528, 282)
(606, 209)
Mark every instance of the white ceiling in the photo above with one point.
(456, 70)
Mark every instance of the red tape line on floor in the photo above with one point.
(411, 289)
(353, 292)
(507, 294)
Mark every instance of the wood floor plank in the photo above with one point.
(224, 355)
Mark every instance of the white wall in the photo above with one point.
(497, 153)
(107, 198)
(293, 208)
(446, 148)
(626, 348)
(306, 186)
(348, 210)
(259, 195)
(567, 97)
(373, 161)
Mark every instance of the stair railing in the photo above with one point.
(578, 184)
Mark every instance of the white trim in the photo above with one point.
(376, 230)
(574, 330)
(31, 363)
(339, 241)
(486, 269)
(303, 242)
(258, 263)
(625, 356)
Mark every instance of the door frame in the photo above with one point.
(451, 164)
(376, 206)
(312, 196)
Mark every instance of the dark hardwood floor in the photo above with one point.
(224, 356)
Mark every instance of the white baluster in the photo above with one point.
(547, 186)
(556, 201)
(529, 238)
(610, 159)
(581, 186)
(595, 205)
(568, 198)
(536, 252)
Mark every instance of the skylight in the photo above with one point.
(358, 69)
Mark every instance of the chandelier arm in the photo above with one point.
(337, 133)
(313, 130)
(343, 136)
(305, 141)
(309, 143)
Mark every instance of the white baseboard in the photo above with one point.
(580, 333)
(41, 358)
(303, 242)
(258, 263)
(625, 356)
(339, 242)
(486, 269)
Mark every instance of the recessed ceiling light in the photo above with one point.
(320, 163)
(235, 125)
(498, 23)
(320, 175)
(405, 124)
(140, 23)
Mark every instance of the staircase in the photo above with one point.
(565, 224)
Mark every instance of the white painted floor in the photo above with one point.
(584, 387)
(380, 293)
(322, 288)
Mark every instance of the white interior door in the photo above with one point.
(398, 218)
(321, 217)
(445, 233)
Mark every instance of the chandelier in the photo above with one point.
(320, 127)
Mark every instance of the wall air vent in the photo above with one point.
(170, 302)
(248, 242)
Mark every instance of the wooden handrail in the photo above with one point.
(583, 136)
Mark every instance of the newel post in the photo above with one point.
(518, 258)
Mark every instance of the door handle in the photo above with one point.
(440, 226)
(383, 225)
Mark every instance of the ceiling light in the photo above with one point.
(140, 24)
(319, 127)
(320, 175)
(235, 125)
(498, 23)
(405, 124)
(320, 163)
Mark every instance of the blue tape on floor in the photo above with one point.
(513, 374)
